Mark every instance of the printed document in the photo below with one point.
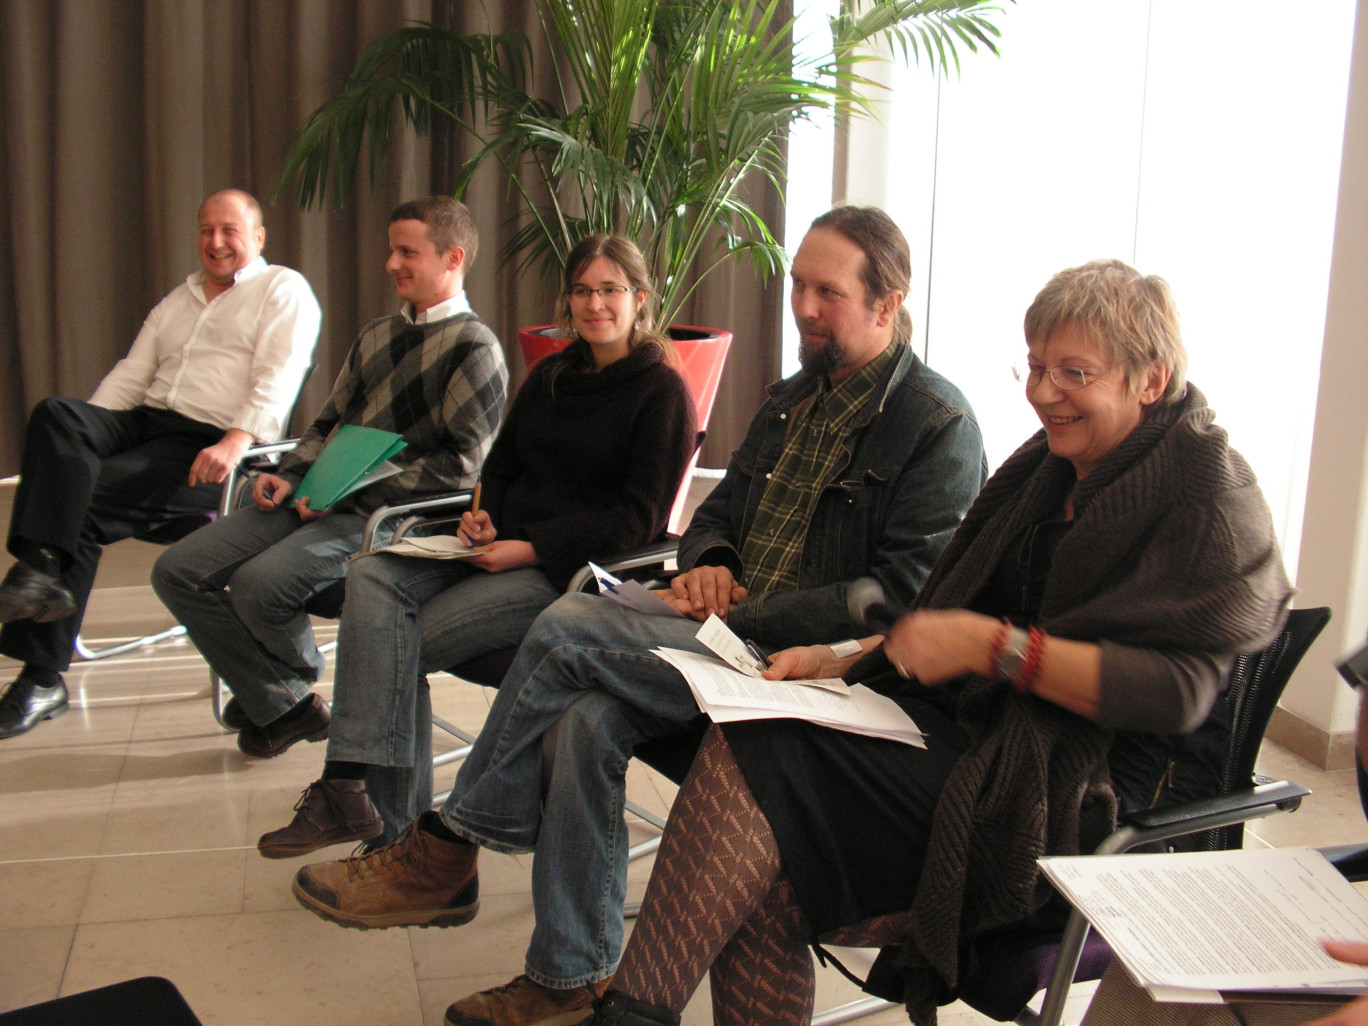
(1204, 926)
(727, 695)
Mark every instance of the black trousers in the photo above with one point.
(88, 477)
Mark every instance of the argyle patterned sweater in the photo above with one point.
(441, 385)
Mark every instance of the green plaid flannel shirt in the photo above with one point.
(817, 428)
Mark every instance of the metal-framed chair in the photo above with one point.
(328, 602)
(255, 459)
(1015, 965)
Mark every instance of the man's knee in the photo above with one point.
(572, 618)
(259, 590)
(168, 574)
(56, 410)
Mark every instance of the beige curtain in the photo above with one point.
(120, 117)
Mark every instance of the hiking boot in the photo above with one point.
(309, 723)
(328, 812)
(524, 1002)
(418, 880)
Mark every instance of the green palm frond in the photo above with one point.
(661, 111)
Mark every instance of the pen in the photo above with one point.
(475, 503)
(754, 650)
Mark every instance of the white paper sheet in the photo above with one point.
(1191, 926)
(436, 546)
(727, 695)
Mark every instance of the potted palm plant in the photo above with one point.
(662, 110)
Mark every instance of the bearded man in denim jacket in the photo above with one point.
(861, 465)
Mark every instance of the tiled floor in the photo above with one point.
(127, 832)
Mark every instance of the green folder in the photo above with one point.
(356, 457)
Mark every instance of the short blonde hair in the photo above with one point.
(1129, 316)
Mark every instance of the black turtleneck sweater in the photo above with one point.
(589, 465)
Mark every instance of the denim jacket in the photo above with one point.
(913, 465)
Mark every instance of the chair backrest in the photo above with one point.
(1015, 964)
(1256, 682)
(701, 352)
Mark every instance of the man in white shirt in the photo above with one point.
(216, 366)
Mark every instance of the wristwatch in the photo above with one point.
(1013, 654)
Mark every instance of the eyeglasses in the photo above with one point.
(608, 292)
(1070, 379)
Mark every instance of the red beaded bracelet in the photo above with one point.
(1030, 669)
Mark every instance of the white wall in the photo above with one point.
(1334, 545)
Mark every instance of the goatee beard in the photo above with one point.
(821, 361)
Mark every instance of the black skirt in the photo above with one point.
(851, 814)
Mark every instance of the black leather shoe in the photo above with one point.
(233, 716)
(29, 594)
(271, 740)
(27, 703)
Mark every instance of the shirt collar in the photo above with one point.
(457, 304)
(256, 267)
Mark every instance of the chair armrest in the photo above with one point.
(270, 449)
(1160, 825)
(657, 553)
(257, 457)
(386, 514)
(1193, 817)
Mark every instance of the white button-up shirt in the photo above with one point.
(235, 361)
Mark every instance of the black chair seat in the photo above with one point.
(174, 530)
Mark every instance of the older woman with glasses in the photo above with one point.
(1062, 659)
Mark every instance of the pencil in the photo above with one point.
(475, 496)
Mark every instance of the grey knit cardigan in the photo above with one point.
(1172, 548)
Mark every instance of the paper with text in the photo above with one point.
(1189, 926)
(727, 695)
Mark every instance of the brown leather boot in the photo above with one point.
(419, 880)
(328, 812)
(524, 1002)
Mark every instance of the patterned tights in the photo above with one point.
(718, 898)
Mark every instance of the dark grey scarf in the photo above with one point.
(1172, 548)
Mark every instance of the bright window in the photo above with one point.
(1195, 140)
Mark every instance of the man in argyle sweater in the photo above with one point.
(433, 373)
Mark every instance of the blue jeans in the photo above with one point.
(405, 617)
(239, 586)
(547, 773)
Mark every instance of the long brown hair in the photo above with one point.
(623, 252)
